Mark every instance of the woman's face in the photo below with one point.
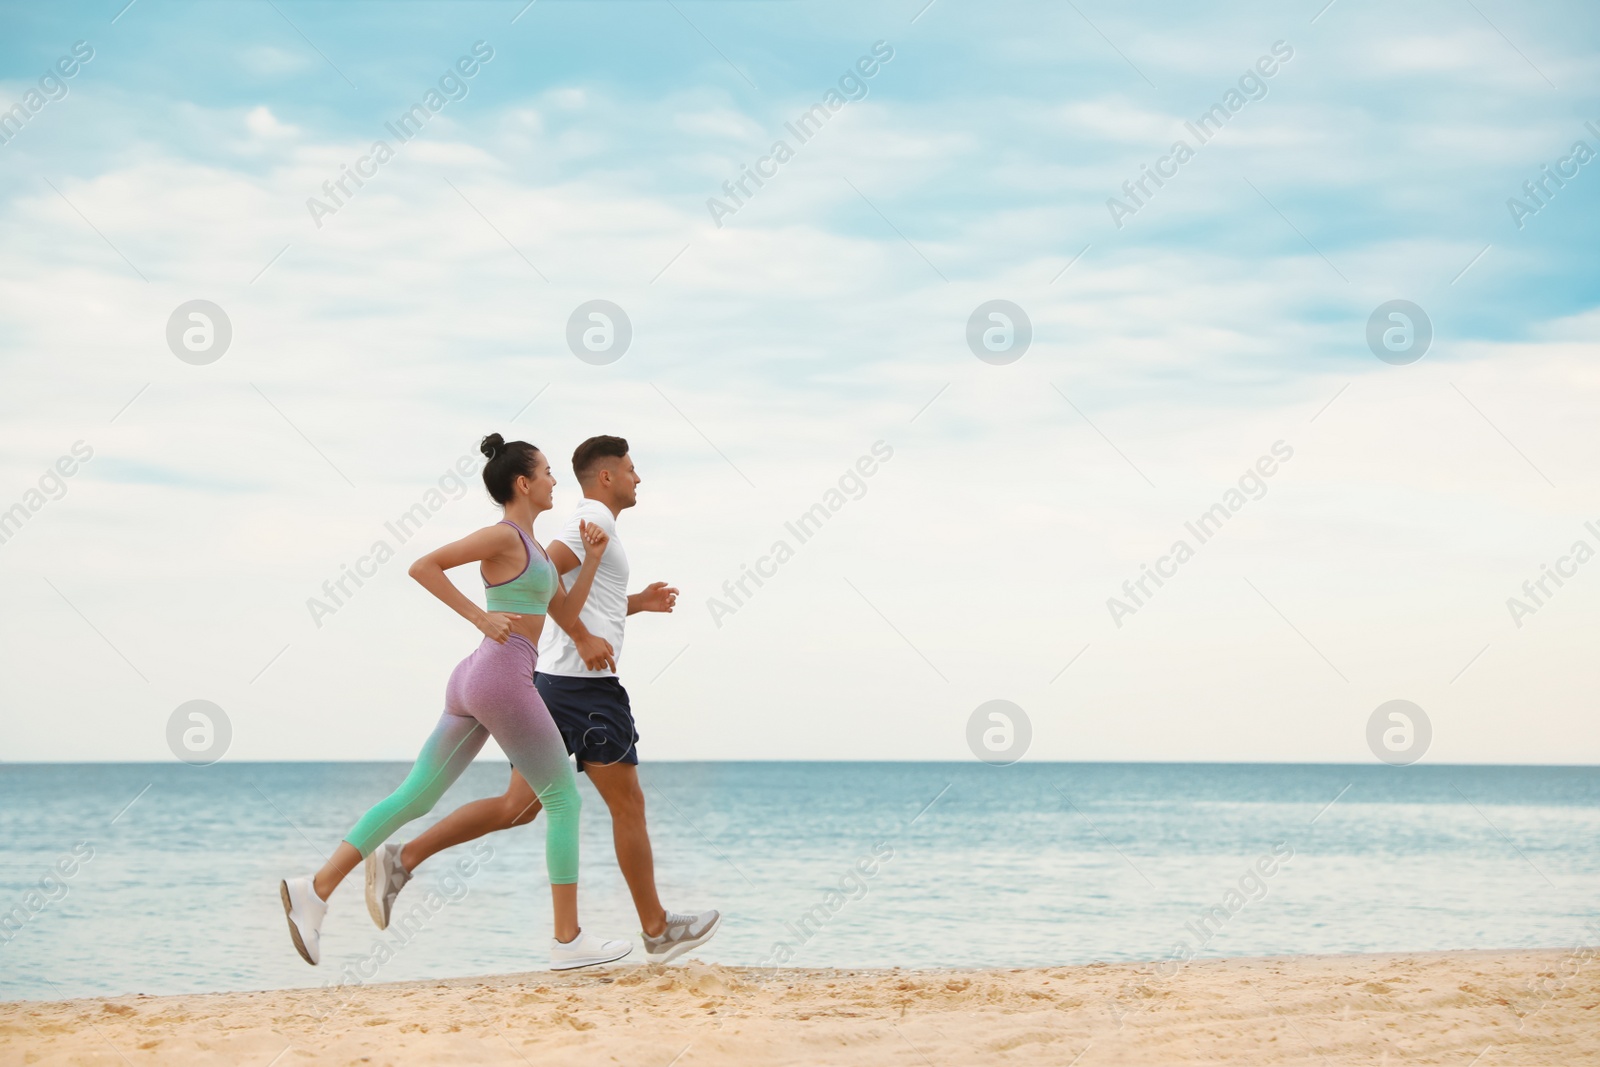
(540, 485)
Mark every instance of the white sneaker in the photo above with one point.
(683, 933)
(305, 911)
(586, 950)
(385, 878)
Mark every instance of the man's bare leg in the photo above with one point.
(618, 784)
(517, 806)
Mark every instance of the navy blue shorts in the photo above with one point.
(593, 715)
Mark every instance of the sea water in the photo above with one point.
(163, 878)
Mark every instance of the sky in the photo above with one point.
(1183, 338)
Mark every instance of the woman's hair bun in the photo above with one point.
(508, 461)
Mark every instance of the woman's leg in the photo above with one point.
(517, 806)
(554, 783)
(448, 752)
(509, 705)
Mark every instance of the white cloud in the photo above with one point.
(1117, 119)
(453, 153)
(261, 122)
(723, 123)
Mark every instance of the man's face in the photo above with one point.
(622, 481)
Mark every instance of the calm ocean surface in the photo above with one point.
(1033, 864)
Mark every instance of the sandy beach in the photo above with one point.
(1487, 1008)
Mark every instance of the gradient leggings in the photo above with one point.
(490, 693)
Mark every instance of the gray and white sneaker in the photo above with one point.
(683, 933)
(385, 878)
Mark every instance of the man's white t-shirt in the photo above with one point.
(605, 612)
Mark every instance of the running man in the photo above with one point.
(577, 677)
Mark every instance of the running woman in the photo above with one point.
(578, 679)
(491, 693)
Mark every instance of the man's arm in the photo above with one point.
(563, 557)
(657, 596)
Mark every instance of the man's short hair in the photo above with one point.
(589, 455)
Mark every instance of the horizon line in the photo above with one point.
(1081, 762)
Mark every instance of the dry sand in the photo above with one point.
(1481, 1008)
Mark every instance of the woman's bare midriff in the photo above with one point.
(529, 626)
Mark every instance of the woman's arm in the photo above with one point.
(564, 605)
(484, 544)
(596, 652)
